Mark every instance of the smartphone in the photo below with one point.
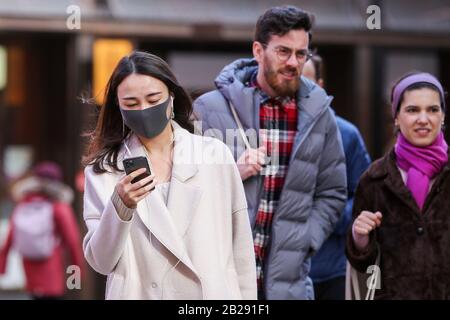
(133, 164)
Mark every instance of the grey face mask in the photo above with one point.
(148, 122)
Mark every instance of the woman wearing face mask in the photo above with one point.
(402, 203)
(181, 233)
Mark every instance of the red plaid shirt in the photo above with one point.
(278, 126)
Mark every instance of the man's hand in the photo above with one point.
(251, 161)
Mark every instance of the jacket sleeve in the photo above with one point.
(331, 188)
(107, 233)
(68, 230)
(5, 250)
(357, 161)
(360, 260)
(243, 250)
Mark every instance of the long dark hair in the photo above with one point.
(107, 137)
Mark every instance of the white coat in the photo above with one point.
(199, 246)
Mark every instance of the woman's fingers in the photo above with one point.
(364, 225)
(128, 178)
(145, 190)
(379, 216)
(361, 231)
(367, 221)
(368, 215)
(141, 183)
(132, 193)
(142, 196)
(375, 217)
(141, 193)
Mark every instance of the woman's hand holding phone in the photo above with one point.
(132, 193)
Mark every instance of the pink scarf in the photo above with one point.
(421, 163)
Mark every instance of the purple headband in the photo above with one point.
(408, 81)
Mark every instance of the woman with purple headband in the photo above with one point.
(401, 213)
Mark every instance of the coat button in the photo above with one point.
(154, 285)
(420, 231)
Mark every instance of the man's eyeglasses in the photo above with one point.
(284, 54)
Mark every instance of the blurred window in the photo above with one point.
(106, 55)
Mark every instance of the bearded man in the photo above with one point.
(294, 171)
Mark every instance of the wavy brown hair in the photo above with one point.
(280, 20)
(110, 131)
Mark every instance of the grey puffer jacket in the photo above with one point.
(314, 191)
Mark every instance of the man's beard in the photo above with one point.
(286, 88)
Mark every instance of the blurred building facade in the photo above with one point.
(48, 61)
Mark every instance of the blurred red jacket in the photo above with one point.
(48, 277)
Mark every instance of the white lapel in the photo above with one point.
(170, 224)
(157, 218)
(183, 197)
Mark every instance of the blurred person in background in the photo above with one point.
(42, 226)
(328, 266)
(183, 231)
(296, 200)
(401, 210)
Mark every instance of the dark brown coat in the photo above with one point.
(414, 245)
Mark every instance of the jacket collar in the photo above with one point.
(387, 166)
(233, 80)
(185, 164)
(384, 166)
(312, 99)
(386, 169)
